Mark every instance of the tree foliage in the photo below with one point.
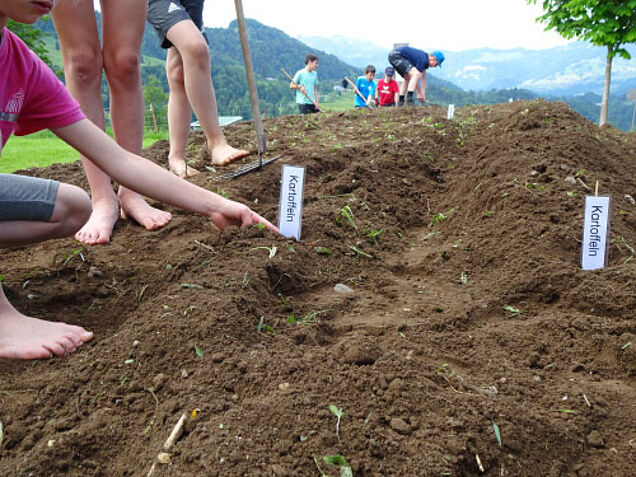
(608, 23)
(33, 36)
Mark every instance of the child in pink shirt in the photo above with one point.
(33, 210)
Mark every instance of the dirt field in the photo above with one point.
(457, 225)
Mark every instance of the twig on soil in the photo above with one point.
(205, 245)
(172, 438)
(586, 400)
(479, 464)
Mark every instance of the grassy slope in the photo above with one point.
(44, 148)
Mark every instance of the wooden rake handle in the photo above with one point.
(357, 91)
(303, 92)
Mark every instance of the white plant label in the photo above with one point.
(290, 210)
(596, 227)
(451, 111)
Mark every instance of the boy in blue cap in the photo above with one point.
(412, 64)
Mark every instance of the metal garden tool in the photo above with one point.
(261, 140)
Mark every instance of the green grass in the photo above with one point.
(337, 102)
(45, 148)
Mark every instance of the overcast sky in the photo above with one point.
(443, 24)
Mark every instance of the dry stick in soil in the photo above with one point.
(303, 92)
(164, 456)
(357, 91)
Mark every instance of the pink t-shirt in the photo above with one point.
(31, 96)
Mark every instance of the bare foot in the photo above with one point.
(100, 225)
(224, 154)
(23, 337)
(135, 207)
(179, 167)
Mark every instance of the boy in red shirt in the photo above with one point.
(388, 90)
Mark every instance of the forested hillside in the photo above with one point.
(273, 49)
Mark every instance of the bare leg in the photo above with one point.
(81, 52)
(405, 84)
(122, 34)
(83, 62)
(195, 56)
(24, 337)
(179, 116)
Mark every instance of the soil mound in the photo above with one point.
(471, 344)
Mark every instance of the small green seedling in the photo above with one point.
(488, 213)
(210, 169)
(360, 252)
(141, 293)
(337, 459)
(222, 193)
(567, 411)
(272, 250)
(189, 309)
(514, 312)
(263, 326)
(626, 345)
(579, 173)
(347, 213)
(74, 253)
(198, 351)
(323, 250)
(308, 319)
(338, 412)
(495, 428)
(463, 278)
(375, 235)
(441, 216)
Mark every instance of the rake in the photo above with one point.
(261, 140)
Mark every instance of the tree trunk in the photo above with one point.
(606, 88)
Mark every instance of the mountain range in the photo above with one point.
(572, 69)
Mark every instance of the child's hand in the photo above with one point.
(234, 213)
(422, 97)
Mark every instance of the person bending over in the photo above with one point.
(412, 64)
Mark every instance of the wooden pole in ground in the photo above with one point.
(154, 116)
(251, 82)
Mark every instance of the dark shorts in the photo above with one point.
(401, 64)
(307, 108)
(164, 14)
(27, 198)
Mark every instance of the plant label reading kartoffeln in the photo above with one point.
(290, 210)
(596, 227)
(451, 112)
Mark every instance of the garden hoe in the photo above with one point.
(357, 91)
(261, 140)
(303, 92)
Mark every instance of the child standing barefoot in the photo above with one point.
(119, 56)
(34, 210)
(178, 24)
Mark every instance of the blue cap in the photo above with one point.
(389, 71)
(440, 57)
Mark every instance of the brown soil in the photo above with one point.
(422, 357)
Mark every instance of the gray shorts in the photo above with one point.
(164, 14)
(401, 64)
(27, 198)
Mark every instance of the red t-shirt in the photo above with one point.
(31, 96)
(386, 91)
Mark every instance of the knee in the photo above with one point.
(174, 72)
(123, 66)
(83, 65)
(73, 207)
(197, 53)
